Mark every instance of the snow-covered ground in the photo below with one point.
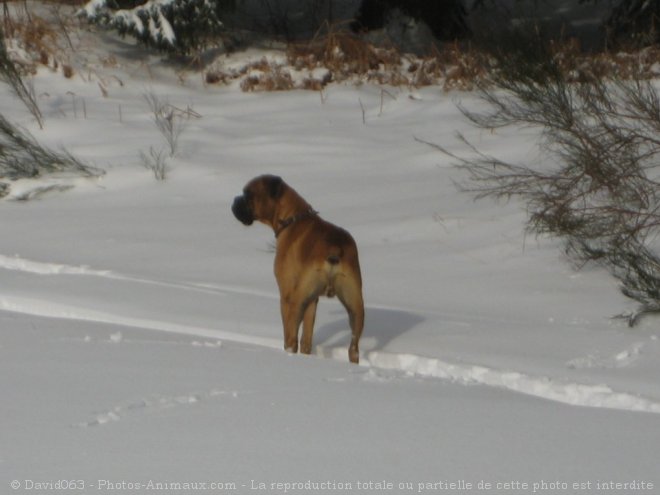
(140, 337)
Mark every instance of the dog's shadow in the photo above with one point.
(381, 326)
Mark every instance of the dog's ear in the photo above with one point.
(275, 186)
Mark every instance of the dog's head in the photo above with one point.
(259, 199)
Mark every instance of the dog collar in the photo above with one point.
(293, 219)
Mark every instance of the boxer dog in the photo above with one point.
(312, 258)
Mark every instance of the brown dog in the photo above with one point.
(313, 258)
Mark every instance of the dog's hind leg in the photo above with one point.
(356, 319)
(291, 317)
(349, 293)
(308, 327)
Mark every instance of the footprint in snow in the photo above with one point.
(146, 406)
(622, 359)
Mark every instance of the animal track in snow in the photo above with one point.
(621, 359)
(16, 263)
(48, 309)
(542, 387)
(601, 396)
(146, 406)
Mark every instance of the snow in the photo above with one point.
(159, 27)
(140, 337)
(131, 18)
(162, 30)
(92, 7)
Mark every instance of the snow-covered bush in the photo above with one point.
(181, 26)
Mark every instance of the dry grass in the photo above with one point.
(344, 57)
(333, 55)
(580, 67)
(267, 78)
(33, 36)
(341, 56)
(34, 41)
(345, 54)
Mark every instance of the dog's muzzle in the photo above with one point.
(241, 210)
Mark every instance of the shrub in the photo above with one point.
(603, 195)
(156, 161)
(180, 26)
(169, 120)
(21, 156)
(10, 74)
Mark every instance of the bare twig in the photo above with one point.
(602, 194)
(156, 161)
(384, 92)
(22, 156)
(9, 74)
(170, 120)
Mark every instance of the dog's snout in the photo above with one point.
(241, 210)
